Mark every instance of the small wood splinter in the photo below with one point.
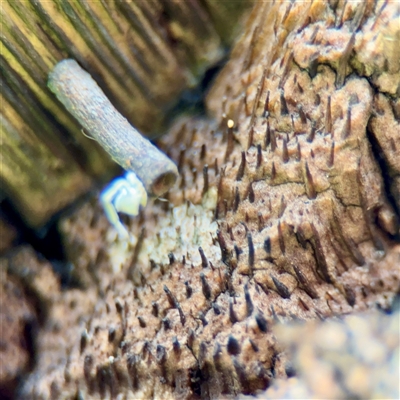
(148, 169)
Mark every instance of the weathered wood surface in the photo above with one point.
(289, 212)
(143, 54)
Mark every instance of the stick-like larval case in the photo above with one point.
(84, 99)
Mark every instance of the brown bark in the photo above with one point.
(290, 212)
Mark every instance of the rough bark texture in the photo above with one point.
(290, 212)
(145, 55)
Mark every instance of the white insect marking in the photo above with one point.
(124, 194)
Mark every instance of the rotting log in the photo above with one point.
(143, 55)
(284, 211)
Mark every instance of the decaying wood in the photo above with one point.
(286, 209)
(142, 54)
